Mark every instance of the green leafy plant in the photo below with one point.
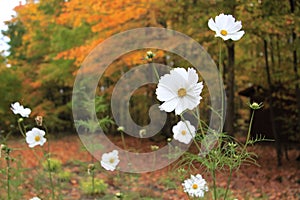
(89, 187)
(54, 165)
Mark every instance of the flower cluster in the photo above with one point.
(180, 91)
(35, 136)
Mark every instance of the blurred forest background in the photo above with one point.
(50, 38)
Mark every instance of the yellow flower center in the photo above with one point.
(181, 92)
(37, 138)
(112, 160)
(195, 186)
(183, 132)
(224, 32)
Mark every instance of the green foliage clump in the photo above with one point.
(64, 176)
(54, 165)
(87, 186)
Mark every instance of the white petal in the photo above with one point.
(170, 82)
(238, 35)
(221, 21)
(42, 141)
(192, 76)
(30, 139)
(107, 166)
(212, 25)
(179, 73)
(31, 145)
(235, 28)
(25, 112)
(165, 93)
(169, 106)
(180, 107)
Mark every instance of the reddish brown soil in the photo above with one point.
(251, 182)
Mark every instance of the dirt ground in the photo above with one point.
(250, 182)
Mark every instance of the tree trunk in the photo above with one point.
(230, 116)
(295, 68)
(271, 102)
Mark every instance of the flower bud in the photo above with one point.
(119, 195)
(120, 128)
(154, 147)
(256, 106)
(149, 55)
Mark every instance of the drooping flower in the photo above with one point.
(17, 108)
(195, 186)
(184, 132)
(110, 160)
(226, 27)
(39, 120)
(179, 90)
(35, 137)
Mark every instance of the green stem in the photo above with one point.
(93, 181)
(50, 176)
(214, 184)
(220, 80)
(7, 157)
(125, 147)
(21, 129)
(228, 183)
(49, 167)
(249, 130)
(199, 121)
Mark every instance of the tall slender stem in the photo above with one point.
(7, 157)
(93, 181)
(220, 81)
(49, 167)
(214, 183)
(228, 183)
(49, 172)
(249, 130)
(21, 129)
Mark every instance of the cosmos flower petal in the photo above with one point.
(238, 35)
(169, 105)
(235, 28)
(179, 73)
(165, 93)
(212, 25)
(192, 76)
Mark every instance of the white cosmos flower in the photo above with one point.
(19, 109)
(35, 137)
(110, 160)
(179, 90)
(35, 198)
(195, 186)
(184, 132)
(226, 27)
